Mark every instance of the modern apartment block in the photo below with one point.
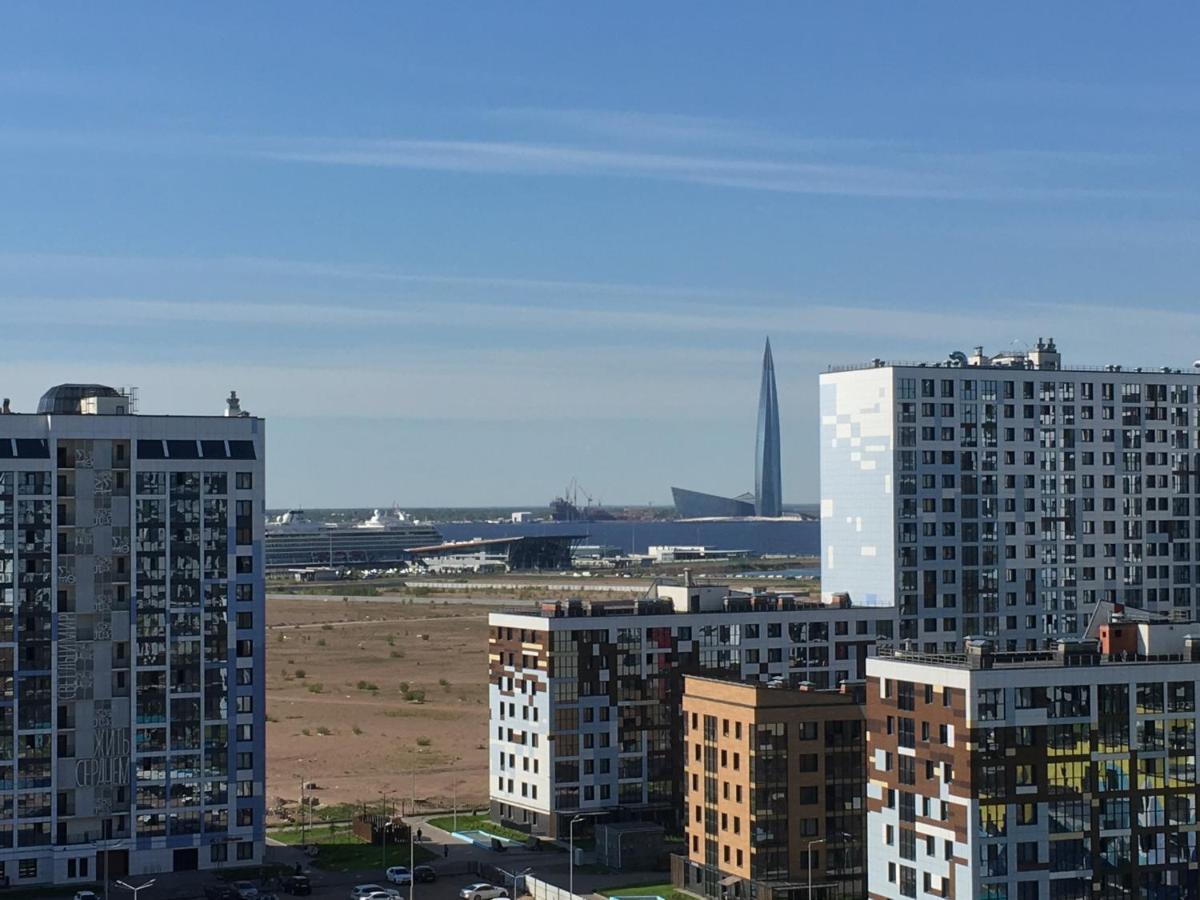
(1062, 774)
(1005, 496)
(131, 639)
(586, 699)
(775, 791)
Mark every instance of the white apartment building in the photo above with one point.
(131, 640)
(586, 699)
(1005, 496)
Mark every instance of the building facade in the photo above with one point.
(1063, 774)
(775, 784)
(585, 700)
(1006, 496)
(131, 640)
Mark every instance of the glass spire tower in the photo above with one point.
(768, 492)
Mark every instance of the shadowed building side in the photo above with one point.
(768, 490)
(698, 505)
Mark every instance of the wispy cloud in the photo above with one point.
(903, 177)
(667, 147)
(676, 128)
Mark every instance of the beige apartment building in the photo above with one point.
(775, 790)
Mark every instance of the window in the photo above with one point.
(245, 850)
(245, 817)
(990, 704)
(27, 868)
(245, 565)
(218, 853)
(244, 481)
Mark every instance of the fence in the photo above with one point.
(541, 890)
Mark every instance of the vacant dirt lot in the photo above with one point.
(360, 695)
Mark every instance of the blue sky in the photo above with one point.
(460, 253)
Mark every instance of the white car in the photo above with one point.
(246, 890)
(482, 891)
(381, 895)
(363, 891)
(86, 895)
(399, 875)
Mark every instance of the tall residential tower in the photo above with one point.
(768, 491)
(1005, 496)
(131, 640)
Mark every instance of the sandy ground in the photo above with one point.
(327, 725)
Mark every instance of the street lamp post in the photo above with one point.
(810, 865)
(571, 844)
(412, 881)
(387, 823)
(140, 887)
(844, 835)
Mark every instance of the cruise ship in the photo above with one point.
(294, 540)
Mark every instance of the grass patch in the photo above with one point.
(666, 890)
(343, 852)
(477, 823)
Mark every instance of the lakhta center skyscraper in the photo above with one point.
(768, 491)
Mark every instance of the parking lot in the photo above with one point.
(459, 869)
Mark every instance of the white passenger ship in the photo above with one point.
(293, 540)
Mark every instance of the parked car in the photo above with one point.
(482, 891)
(399, 875)
(298, 885)
(424, 874)
(363, 891)
(220, 892)
(246, 890)
(267, 897)
(86, 895)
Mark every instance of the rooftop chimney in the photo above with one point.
(233, 407)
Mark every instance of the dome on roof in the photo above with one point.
(64, 399)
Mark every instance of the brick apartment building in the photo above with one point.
(775, 791)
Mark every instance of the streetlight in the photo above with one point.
(841, 834)
(412, 858)
(135, 890)
(387, 823)
(571, 844)
(454, 802)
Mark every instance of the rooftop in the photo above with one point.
(1067, 654)
(673, 600)
(774, 693)
(85, 399)
(1044, 356)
